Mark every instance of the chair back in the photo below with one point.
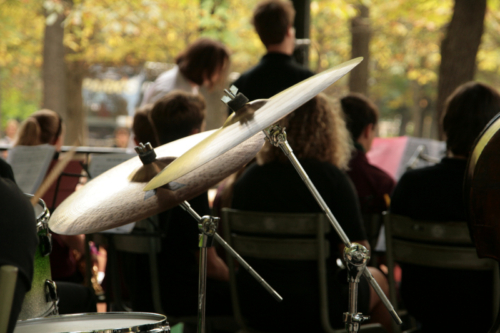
(239, 224)
(432, 244)
(8, 278)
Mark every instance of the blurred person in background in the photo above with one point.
(372, 184)
(46, 127)
(277, 70)
(10, 131)
(177, 115)
(122, 135)
(203, 63)
(448, 300)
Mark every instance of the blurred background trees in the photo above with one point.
(48, 48)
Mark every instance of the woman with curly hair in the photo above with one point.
(318, 136)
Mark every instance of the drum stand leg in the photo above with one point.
(277, 137)
(208, 227)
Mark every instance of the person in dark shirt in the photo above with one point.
(176, 115)
(18, 239)
(372, 184)
(46, 127)
(435, 193)
(276, 71)
(273, 185)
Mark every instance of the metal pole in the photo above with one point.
(202, 283)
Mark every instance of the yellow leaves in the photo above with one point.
(399, 29)
(422, 76)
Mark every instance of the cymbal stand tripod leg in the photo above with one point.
(357, 253)
(208, 226)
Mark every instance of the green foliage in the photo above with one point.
(405, 44)
(15, 105)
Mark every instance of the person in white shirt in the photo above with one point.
(203, 63)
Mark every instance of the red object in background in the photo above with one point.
(393, 154)
(387, 154)
(65, 184)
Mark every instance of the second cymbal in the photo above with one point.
(112, 200)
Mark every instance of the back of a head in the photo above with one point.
(176, 115)
(316, 131)
(467, 111)
(143, 129)
(271, 19)
(202, 60)
(42, 127)
(359, 112)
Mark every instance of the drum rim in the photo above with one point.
(140, 328)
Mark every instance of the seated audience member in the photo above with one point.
(10, 132)
(372, 184)
(46, 127)
(273, 185)
(277, 70)
(18, 239)
(122, 135)
(203, 63)
(177, 115)
(448, 299)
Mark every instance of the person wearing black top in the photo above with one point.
(273, 185)
(446, 300)
(18, 238)
(276, 71)
(176, 115)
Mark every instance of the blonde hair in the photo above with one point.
(317, 131)
(42, 127)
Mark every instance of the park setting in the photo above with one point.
(267, 166)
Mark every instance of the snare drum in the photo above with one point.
(110, 322)
(41, 300)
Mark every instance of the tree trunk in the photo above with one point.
(458, 52)
(76, 129)
(360, 47)
(416, 110)
(54, 85)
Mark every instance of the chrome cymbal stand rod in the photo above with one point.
(277, 137)
(208, 226)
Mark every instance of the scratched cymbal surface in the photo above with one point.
(234, 133)
(112, 200)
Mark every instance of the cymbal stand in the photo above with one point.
(208, 226)
(356, 255)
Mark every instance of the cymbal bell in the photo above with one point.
(113, 199)
(241, 127)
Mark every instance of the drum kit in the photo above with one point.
(166, 177)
